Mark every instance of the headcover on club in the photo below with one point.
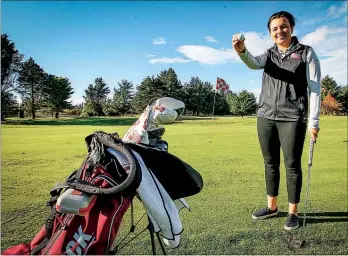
(162, 111)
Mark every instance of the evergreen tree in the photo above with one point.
(57, 91)
(31, 80)
(95, 97)
(170, 79)
(11, 61)
(123, 96)
(343, 99)
(329, 85)
(242, 104)
(150, 89)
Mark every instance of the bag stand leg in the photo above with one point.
(151, 229)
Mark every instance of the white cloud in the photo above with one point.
(19, 99)
(335, 65)
(311, 21)
(328, 42)
(322, 34)
(169, 60)
(257, 43)
(335, 11)
(110, 95)
(76, 101)
(149, 55)
(211, 39)
(331, 43)
(207, 55)
(159, 40)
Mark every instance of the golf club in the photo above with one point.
(311, 148)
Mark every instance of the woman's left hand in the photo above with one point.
(314, 133)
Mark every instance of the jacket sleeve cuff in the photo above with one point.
(313, 123)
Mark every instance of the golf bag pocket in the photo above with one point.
(75, 202)
(87, 209)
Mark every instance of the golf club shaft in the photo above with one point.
(311, 148)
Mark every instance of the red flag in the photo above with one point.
(221, 84)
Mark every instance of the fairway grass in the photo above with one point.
(225, 151)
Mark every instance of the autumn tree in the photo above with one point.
(330, 105)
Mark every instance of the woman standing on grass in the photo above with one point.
(290, 68)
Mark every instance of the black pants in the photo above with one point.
(290, 137)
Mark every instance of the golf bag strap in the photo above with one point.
(57, 189)
(48, 226)
(106, 139)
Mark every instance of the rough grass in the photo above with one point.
(226, 153)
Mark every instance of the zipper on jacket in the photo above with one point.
(281, 60)
(278, 91)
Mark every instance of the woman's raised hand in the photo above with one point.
(238, 43)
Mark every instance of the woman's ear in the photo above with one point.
(292, 29)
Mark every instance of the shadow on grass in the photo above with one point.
(101, 121)
(323, 220)
(200, 118)
(310, 217)
(95, 121)
(195, 118)
(328, 214)
(339, 217)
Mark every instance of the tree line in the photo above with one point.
(38, 89)
(197, 95)
(50, 94)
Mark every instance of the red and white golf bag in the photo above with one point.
(87, 209)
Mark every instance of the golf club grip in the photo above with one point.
(311, 148)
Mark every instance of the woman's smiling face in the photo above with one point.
(281, 31)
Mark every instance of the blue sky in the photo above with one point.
(131, 40)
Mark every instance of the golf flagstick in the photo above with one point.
(311, 148)
(212, 117)
(220, 84)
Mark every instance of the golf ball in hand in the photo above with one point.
(241, 37)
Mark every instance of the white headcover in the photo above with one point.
(163, 111)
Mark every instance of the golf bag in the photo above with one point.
(85, 218)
